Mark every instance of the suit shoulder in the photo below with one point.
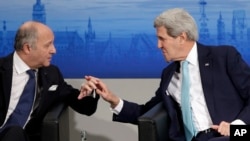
(222, 49)
(6, 60)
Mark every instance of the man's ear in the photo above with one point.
(183, 37)
(26, 48)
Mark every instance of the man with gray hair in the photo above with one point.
(204, 89)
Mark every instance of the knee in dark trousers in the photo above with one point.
(13, 133)
(220, 139)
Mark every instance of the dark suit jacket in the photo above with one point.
(47, 76)
(225, 79)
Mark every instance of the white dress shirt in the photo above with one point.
(201, 117)
(19, 80)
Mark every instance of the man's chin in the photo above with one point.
(168, 60)
(46, 64)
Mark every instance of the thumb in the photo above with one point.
(215, 127)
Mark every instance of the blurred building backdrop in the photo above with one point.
(116, 39)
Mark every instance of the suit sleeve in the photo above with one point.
(68, 94)
(239, 71)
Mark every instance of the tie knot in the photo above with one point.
(31, 73)
(184, 66)
(185, 63)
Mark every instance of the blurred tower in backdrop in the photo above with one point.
(204, 32)
(39, 13)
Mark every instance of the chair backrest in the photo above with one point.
(152, 126)
(56, 124)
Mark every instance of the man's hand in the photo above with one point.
(223, 128)
(88, 87)
(93, 83)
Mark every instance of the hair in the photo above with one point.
(176, 21)
(26, 34)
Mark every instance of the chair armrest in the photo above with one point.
(56, 124)
(152, 126)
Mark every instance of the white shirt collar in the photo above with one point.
(193, 55)
(19, 64)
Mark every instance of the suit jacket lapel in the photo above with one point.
(43, 83)
(171, 106)
(42, 95)
(169, 74)
(168, 101)
(206, 72)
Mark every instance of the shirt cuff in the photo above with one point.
(238, 122)
(118, 108)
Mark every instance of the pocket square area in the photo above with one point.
(53, 87)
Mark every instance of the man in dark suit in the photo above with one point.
(34, 47)
(219, 84)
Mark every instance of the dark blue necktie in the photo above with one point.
(24, 106)
(189, 128)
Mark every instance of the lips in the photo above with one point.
(164, 51)
(50, 58)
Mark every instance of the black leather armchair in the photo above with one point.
(152, 126)
(56, 124)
